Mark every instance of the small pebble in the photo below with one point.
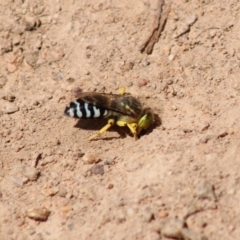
(223, 134)
(17, 181)
(173, 228)
(38, 44)
(39, 214)
(183, 29)
(144, 63)
(31, 23)
(31, 231)
(50, 191)
(11, 108)
(205, 190)
(204, 140)
(3, 81)
(141, 82)
(31, 173)
(163, 214)
(169, 82)
(205, 127)
(128, 66)
(10, 98)
(171, 57)
(97, 169)
(11, 67)
(110, 186)
(62, 192)
(67, 208)
(191, 19)
(212, 32)
(76, 91)
(90, 193)
(187, 130)
(16, 40)
(90, 158)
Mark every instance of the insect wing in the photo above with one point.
(124, 104)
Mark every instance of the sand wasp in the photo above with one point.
(120, 109)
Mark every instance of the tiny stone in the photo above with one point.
(144, 63)
(98, 169)
(31, 22)
(169, 81)
(3, 81)
(11, 108)
(173, 228)
(76, 91)
(141, 82)
(62, 192)
(187, 130)
(17, 181)
(128, 66)
(10, 232)
(171, 57)
(67, 208)
(69, 195)
(110, 186)
(212, 32)
(223, 134)
(31, 231)
(31, 173)
(70, 80)
(10, 98)
(148, 216)
(38, 44)
(163, 214)
(204, 140)
(16, 40)
(11, 67)
(183, 29)
(109, 161)
(191, 19)
(50, 191)
(40, 214)
(90, 158)
(238, 54)
(205, 127)
(90, 193)
(205, 190)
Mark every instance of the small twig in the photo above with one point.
(159, 23)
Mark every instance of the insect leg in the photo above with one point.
(131, 126)
(133, 129)
(122, 90)
(104, 129)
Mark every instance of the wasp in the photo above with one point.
(121, 109)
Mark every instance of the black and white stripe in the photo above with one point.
(81, 109)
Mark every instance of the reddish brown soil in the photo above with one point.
(182, 179)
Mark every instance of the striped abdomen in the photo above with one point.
(81, 109)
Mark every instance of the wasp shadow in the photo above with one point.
(97, 124)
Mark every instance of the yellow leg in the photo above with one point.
(122, 90)
(133, 129)
(104, 129)
(131, 126)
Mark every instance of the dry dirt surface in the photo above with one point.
(179, 180)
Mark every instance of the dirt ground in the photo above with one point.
(179, 180)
